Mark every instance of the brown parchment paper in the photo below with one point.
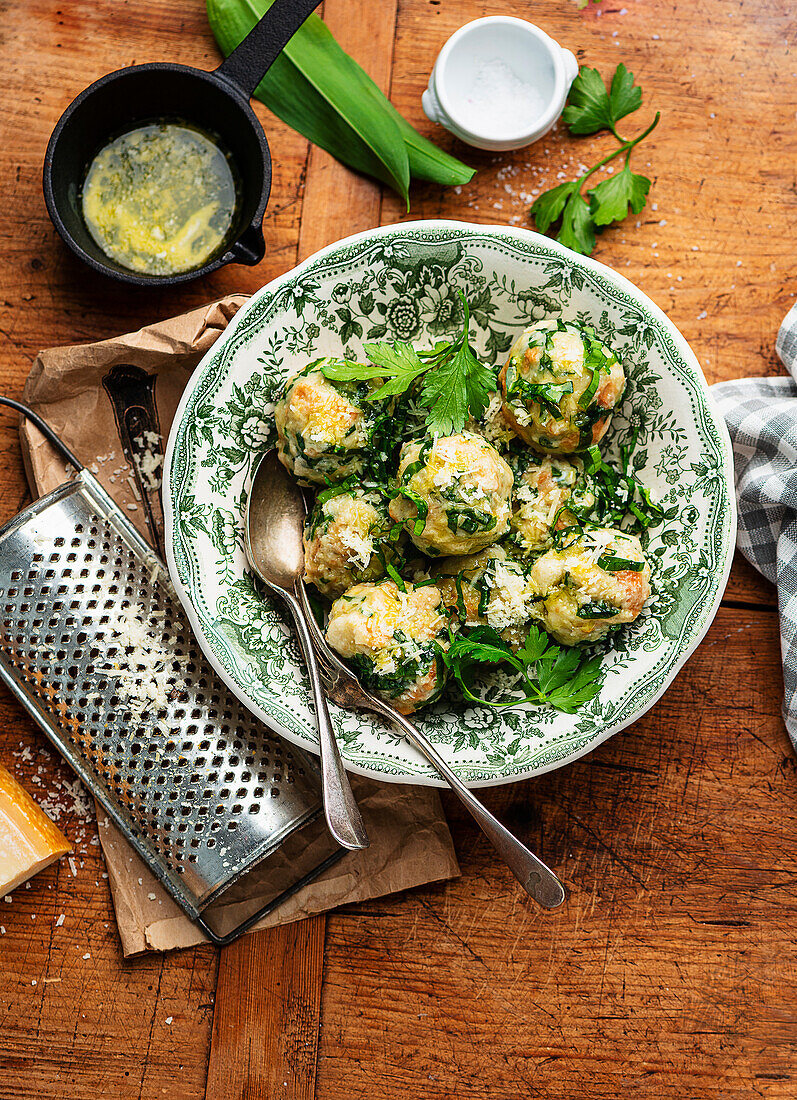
(410, 840)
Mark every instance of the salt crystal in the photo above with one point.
(701, 316)
(151, 896)
(169, 1019)
(87, 955)
(72, 867)
(499, 103)
(60, 920)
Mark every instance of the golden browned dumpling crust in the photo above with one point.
(392, 638)
(597, 580)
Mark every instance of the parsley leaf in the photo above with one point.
(455, 386)
(578, 229)
(549, 206)
(562, 678)
(398, 362)
(592, 108)
(611, 198)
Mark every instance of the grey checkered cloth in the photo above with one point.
(761, 414)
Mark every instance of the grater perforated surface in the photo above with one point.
(201, 788)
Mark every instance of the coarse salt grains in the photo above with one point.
(499, 102)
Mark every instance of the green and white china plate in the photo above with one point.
(400, 282)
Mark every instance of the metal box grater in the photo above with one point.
(200, 788)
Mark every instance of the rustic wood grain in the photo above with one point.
(268, 1002)
(670, 970)
(265, 1037)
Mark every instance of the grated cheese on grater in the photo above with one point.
(150, 672)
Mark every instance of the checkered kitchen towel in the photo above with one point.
(761, 414)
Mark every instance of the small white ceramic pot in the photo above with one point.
(532, 55)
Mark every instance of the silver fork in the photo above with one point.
(344, 688)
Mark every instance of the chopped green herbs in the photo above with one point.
(591, 108)
(612, 564)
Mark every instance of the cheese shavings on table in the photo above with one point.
(29, 841)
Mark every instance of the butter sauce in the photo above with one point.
(160, 199)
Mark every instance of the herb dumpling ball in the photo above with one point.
(489, 588)
(453, 494)
(544, 486)
(344, 540)
(392, 640)
(597, 580)
(560, 385)
(325, 429)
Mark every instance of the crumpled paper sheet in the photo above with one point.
(410, 840)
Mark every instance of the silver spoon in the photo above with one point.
(344, 688)
(274, 523)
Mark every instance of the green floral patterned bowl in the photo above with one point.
(399, 282)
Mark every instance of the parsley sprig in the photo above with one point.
(592, 108)
(562, 678)
(455, 387)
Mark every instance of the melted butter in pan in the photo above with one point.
(160, 199)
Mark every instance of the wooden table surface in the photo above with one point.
(671, 968)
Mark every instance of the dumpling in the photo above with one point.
(560, 385)
(543, 487)
(392, 639)
(597, 580)
(344, 540)
(453, 494)
(325, 430)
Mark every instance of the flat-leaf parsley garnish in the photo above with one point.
(591, 108)
(455, 387)
(562, 678)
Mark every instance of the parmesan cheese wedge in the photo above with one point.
(29, 841)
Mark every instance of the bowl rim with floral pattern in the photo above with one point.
(399, 282)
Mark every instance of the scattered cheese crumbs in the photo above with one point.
(150, 459)
(151, 896)
(60, 920)
(508, 600)
(7, 899)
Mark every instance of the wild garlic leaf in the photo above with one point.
(611, 198)
(319, 90)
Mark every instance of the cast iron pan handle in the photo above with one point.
(250, 61)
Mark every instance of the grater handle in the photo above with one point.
(342, 812)
(45, 429)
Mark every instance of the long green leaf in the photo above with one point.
(312, 53)
(317, 89)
